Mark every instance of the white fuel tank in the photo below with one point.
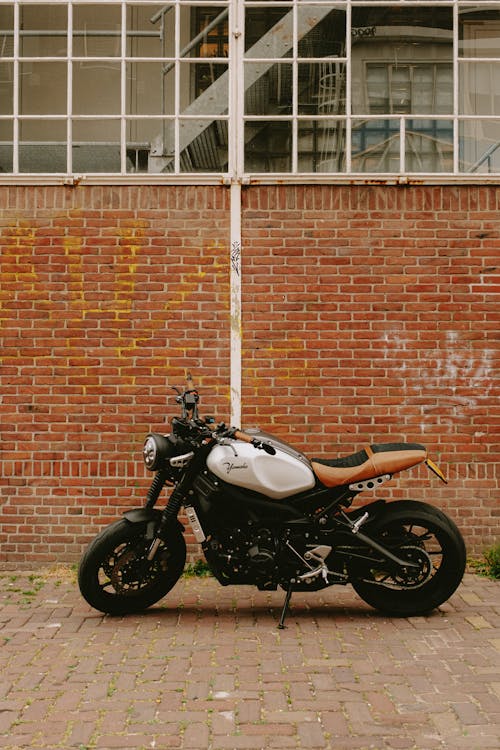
(274, 476)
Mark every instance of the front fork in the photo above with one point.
(170, 512)
(156, 487)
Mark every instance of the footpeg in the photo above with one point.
(360, 521)
(319, 555)
(311, 574)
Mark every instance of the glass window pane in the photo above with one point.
(429, 146)
(204, 88)
(6, 146)
(43, 30)
(479, 32)
(145, 27)
(96, 146)
(149, 90)
(207, 151)
(268, 88)
(321, 88)
(5, 130)
(137, 158)
(479, 88)
(145, 139)
(42, 146)
(96, 30)
(321, 145)
(96, 88)
(375, 146)
(321, 31)
(480, 146)
(268, 31)
(6, 31)
(43, 87)
(402, 60)
(210, 28)
(268, 146)
(6, 88)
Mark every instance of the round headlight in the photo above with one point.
(150, 452)
(156, 450)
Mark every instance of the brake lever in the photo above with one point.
(225, 441)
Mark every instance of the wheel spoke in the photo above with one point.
(422, 537)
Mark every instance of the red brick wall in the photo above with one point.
(108, 295)
(369, 315)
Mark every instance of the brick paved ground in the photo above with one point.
(209, 669)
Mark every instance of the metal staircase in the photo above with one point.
(214, 98)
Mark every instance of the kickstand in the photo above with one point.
(286, 606)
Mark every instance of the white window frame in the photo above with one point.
(235, 116)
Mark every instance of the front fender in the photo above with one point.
(146, 515)
(142, 515)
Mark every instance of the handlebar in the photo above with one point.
(239, 435)
(259, 444)
(189, 401)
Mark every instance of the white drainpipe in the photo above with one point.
(236, 156)
(235, 283)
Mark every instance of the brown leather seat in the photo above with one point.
(372, 461)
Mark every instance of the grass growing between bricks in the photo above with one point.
(22, 588)
(489, 564)
(198, 569)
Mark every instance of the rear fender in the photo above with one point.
(373, 509)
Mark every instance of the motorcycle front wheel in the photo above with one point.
(421, 534)
(115, 576)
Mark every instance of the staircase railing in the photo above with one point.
(485, 157)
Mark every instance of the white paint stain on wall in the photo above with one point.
(450, 379)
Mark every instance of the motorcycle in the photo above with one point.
(266, 515)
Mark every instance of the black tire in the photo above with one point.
(115, 576)
(421, 533)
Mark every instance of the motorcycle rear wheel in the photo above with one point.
(420, 533)
(115, 576)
